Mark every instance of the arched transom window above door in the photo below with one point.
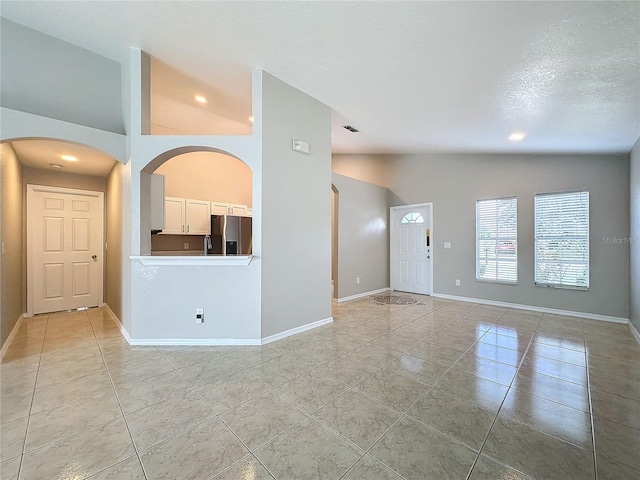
(412, 217)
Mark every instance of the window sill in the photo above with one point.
(496, 282)
(562, 287)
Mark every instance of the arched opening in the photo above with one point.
(64, 168)
(205, 203)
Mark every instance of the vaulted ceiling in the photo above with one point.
(412, 76)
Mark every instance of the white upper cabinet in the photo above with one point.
(185, 216)
(174, 215)
(197, 217)
(235, 209)
(219, 208)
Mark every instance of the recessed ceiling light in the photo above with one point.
(200, 99)
(55, 165)
(69, 158)
(517, 136)
(251, 119)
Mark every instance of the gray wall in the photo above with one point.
(46, 76)
(13, 296)
(368, 168)
(454, 182)
(113, 220)
(634, 277)
(363, 236)
(296, 209)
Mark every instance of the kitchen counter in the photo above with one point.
(192, 258)
(178, 253)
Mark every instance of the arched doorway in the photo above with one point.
(69, 269)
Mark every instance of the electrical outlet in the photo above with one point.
(457, 282)
(358, 280)
(186, 245)
(199, 315)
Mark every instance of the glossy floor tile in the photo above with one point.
(461, 420)
(537, 454)
(438, 389)
(426, 453)
(309, 450)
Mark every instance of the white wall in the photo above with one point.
(363, 236)
(163, 298)
(634, 278)
(454, 182)
(296, 209)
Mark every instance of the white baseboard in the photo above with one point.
(213, 341)
(195, 342)
(13, 333)
(293, 331)
(533, 308)
(361, 295)
(117, 321)
(635, 332)
(231, 341)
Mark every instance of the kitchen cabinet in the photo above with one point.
(197, 217)
(219, 208)
(187, 216)
(222, 208)
(174, 211)
(235, 209)
(184, 216)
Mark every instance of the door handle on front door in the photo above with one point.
(95, 257)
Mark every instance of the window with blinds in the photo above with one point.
(497, 240)
(562, 240)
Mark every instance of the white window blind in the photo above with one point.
(562, 239)
(497, 240)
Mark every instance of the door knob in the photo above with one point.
(95, 257)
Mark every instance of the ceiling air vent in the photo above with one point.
(350, 128)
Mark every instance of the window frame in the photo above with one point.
(498, 239)
(587, 238)
(416, 219)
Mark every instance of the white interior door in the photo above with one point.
(411, 245)
(64, 249)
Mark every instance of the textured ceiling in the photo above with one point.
(411, 76)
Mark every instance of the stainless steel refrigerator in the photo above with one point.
(230, 235)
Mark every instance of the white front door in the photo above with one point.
(411, 247)
(64, 248)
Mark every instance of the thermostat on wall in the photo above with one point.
(300, 146)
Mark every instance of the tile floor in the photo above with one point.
(441, 390)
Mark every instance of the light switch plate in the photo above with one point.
(447, 244)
